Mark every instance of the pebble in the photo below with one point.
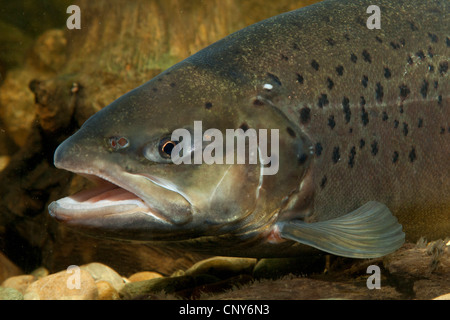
(10, 294)
(20, 283)
(101, 272)
(222, 267)
(106, 291)
(40, 272)
(145, 275)
(443, 297)
(56, 287)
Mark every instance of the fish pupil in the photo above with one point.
(167, 147)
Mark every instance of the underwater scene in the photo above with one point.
(224, 150)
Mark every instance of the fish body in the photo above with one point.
(364, 137)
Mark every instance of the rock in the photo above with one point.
(7, 268)
(20, 283)
(10, 294)
(419, 261)
(58, 286)
(279, 267)
(49, 50)
(40, 272)
(295, 288)
(443, 297)
(222, 267)
(143, 276)
(106, 291)
(171, 285)
(101, 272)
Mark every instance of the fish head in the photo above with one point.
(142, 195)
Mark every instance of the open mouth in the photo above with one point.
(105, 199)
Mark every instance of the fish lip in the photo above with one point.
(58, 212)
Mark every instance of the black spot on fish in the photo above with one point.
(366, 56)
(439, 100)
(412, 26)
(323, 101)
(340, 70)
(412, 155)
(395, 157)
(318, 149)
(258, 103)
(323, 183)
(396, 124)
(350, 130)
(351, 158)
(409, 60)
(395, 46)
(315, 65)
(442, 130)
(374, 148)
(331, 42)
(443, 67)
(336, 155)
(362, 143)
(424, 89)
(379, 92)
(421, 55)
(347, 111)
(302, 159)
(274, 78)
(404, 91)
(434, 38)
(365, 81)
(362, 101)
(378, 39)
(244, 126)
(353, 58)
(387, 73)
(420, 124)
(208, 105)
(385, 116)
(331, 122)
(291, 132)
(300, 78)
(405, 129)
(305, 115)
(430, 52)
(330, 83)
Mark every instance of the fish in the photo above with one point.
(362, 116)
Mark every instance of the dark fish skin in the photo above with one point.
(369, 110)
(375, 103)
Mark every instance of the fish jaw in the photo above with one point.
(122, 205)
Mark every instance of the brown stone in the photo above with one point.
(20, 283)
(62, 286)
(145, 275)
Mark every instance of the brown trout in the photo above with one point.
(363, 122)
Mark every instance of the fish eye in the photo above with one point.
(166, 147)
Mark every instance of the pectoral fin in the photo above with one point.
(370, 231)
